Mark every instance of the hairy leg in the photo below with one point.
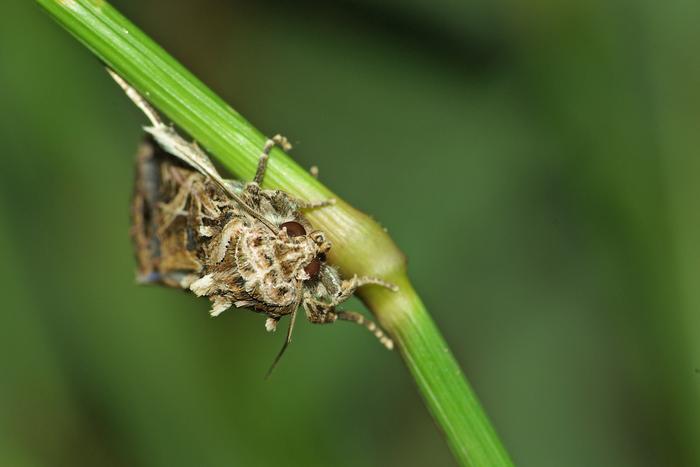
(314, 204)
(349, 286)
(277, 140)
(318, 314)
(369, 324)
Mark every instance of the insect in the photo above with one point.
(233, 242)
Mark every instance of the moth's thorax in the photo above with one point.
(273, 265)
(274, 205)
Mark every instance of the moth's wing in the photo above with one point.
(176, 145)
(172, 143)
(143, 219)
(164, 255)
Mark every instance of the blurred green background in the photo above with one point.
(536, 160)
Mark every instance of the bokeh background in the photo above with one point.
(537, 160)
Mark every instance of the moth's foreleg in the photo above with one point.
(278, 140)
(348, 287)
(324, 315)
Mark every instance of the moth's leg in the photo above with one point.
(278, 140)
(320, 314)
(348, 287)
(303, 204)
(281, 141)
(369, 324)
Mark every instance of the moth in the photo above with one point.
(233, 242)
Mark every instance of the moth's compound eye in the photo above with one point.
(313, 268)
(294, 229)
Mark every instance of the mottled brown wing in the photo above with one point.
(164, 241)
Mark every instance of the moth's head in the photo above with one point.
(323, 246)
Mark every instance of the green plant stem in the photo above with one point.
(437, 374)
(361, 246)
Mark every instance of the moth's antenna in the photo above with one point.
(137, 99)
(190, 153)
(286, 343)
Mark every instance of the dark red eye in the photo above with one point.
(313, 268)
(294, 229)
